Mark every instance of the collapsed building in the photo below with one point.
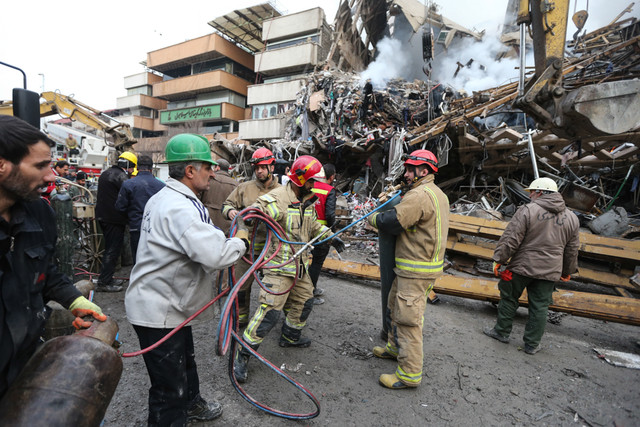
(347, 114)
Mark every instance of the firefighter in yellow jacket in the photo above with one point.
(242, 196)
(421, 223)
(292, 207)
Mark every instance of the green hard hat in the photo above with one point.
(187, 147)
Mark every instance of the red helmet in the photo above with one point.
(262, 156)
(305, 168)
(422, 157)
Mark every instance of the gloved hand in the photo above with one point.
(82, 307)
(372, 220)
(242, 232)
(565, 278)
(337, 243)
(506, 275)
(496, 268)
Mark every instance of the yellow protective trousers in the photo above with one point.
(297, 305)
(407, 302)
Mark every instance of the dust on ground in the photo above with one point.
(469, 379)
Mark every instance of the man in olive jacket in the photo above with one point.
(541, 246)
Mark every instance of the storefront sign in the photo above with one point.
(206, 112)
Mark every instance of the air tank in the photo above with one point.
(69, 381)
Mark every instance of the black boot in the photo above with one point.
(240, 366)
(292, 338)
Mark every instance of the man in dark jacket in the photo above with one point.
(112, 221)
(541, 246)
(28, 276)
(133, 197)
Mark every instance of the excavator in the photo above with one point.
(593, 110)
(66, 106)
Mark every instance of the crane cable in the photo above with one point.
(228, 337)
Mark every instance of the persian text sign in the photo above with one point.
(188, 114)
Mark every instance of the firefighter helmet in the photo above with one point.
(305, 168)
(262, 156)
(188, 147)
(543, 184)
(422, 157)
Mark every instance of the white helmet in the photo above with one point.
(543, 184)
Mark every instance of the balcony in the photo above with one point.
(273, 92)
(302, 57)
(271, 128)
(132, 101)
(190, 86)
(293, 25)
(141, 79)
(202, 49)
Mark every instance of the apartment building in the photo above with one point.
(294, 45)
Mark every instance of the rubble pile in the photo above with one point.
(481, 140)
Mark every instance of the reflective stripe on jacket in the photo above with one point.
(424, 216)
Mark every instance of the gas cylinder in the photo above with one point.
(387, 245)
(69, 381)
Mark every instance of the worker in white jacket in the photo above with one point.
(178, 253)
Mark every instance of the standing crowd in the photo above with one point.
(179, 238)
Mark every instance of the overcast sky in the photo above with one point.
(86, 48)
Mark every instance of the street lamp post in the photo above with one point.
(42, 87)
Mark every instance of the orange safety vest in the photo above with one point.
(321, 190)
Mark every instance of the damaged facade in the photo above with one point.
(320, 93)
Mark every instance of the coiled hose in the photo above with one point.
(228, 337)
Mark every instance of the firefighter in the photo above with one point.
(292, 207)
(421, 223)
(242, 196)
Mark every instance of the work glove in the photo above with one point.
(565, 278)
(82, 307)
(242, 232)
(337, 243)
(496, 268)
(372, 220)
(506, 275)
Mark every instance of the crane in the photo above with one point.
(67, 106)
(589, 111)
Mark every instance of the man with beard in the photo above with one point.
(244, 195)
(421, 223)
(292, 207)
(28, 276)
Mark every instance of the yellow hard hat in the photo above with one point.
(128, 155)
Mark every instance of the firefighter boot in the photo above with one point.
(391, 381)
(386, 352)
(292, 338)
(241, 362)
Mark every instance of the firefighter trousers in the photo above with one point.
(296, 304)
(407, 302)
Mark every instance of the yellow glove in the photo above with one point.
(82, 307)
(496, 268)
